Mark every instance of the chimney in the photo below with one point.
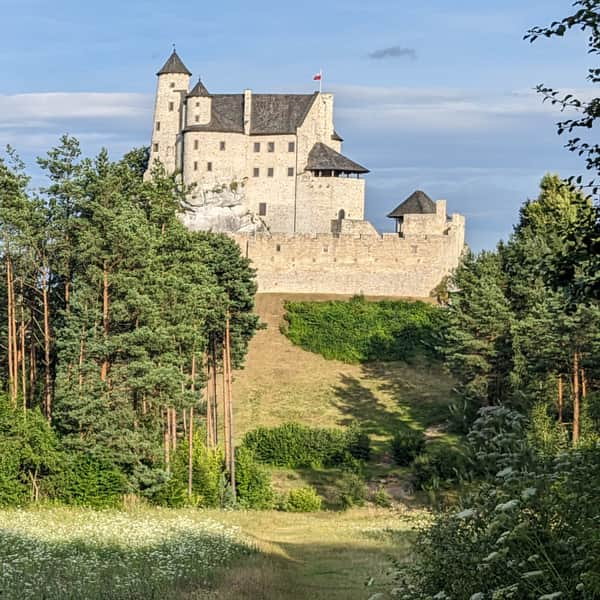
(247, 111)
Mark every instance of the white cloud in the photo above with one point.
(441, 109)
(43, 109)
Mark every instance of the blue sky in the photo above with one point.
(434, 95)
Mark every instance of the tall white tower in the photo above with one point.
(172, 88)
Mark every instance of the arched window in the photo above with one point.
(342, 214)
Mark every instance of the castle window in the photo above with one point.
(195, 144)
(262, 209)
(256, 146)
(155, 147)
(195, 165)
(197, 104)
(291, 146)
(278, 248)
(271, 147)
(325, 249)
(157, 125)
(270, 172)
(256, 172)
(221, 145)
(197, 118)
(209, 166)
(171, 106)
(290, 171)
(172, 84)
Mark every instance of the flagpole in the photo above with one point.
(320, 80)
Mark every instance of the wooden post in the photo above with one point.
(576, 408)
(190, 451)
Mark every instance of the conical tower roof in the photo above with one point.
(199, 90)
(174, 65)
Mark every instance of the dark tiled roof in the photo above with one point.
(418, 203)
(199, 90)
(272, 114)
(324, 158)
(336, 136)
(227, 114)
(279, 113)
(173, 65)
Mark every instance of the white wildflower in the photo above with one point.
(506, 506)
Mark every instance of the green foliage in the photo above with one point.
(406, 445)
(545, 435)
(532, 534)
(358, 330)
(381, 498)
(352, 490)
(253, 482)
(87, 481)
(304, 499)
(294, 445)
(439, 465)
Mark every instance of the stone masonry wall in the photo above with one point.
(378, 265)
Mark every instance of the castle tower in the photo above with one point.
(172, 88)
(198, 106)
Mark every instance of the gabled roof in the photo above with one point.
(199, 90)
(418, 203)
(279, 113)
(324, 158)
(174, 65)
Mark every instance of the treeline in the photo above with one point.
(523, 340)
(114, 317)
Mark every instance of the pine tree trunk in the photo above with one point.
(47, 374)
(225, 416)
(230, 407)
(560, 399)
(215, 397)
(174, 429)
(576, 407)
(23, 354)
(105, 314)
(168, 441)
(583, 383)
(209, 410)
(9, 320)
(32, 371)
(190, 451)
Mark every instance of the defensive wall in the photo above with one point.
(391, 264)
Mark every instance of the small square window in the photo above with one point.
(172, 84)
(197, 104)
(221, 145)
(290, 171)
(256, 146)
(155, 147)
(262, 209)
(195, 144)
(171, 106)
(195, 165)
(271, 146)
(209, 166)
(270, 172)
(256, 172)
(197, 118)
(291, 146)
(157, 125)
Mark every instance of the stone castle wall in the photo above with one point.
(377, 265)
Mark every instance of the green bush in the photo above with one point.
(381, 498)
(358, 330)
(253, 482)
(406, 445)
(352, 490)
(89, 481)
(304, 499)
(439, 464)
(293, 445)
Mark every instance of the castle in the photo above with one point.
(268, 169)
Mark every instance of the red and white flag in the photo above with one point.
(318, 76)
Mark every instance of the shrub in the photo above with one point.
(352, 490)
(439, 464)
(293, 445)
(253, 483)
(304, 499)
(358, 330)
(406, 445)
(381, 498)
(89, 481)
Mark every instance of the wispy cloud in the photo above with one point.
(393, 52)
